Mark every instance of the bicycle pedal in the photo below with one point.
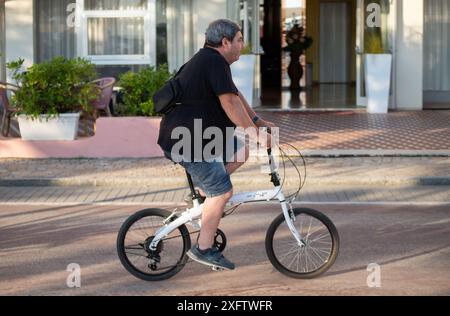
(217, 269)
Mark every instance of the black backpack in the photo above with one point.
(169, 96)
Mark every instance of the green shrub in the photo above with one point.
(138, 90)
(374, 43)
(247, 50)
(53, 87)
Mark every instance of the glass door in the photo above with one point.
(375, 33)
(2, 41)
(436, 70)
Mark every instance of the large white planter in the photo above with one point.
(64, 127)
(243, 72)
(378, 82)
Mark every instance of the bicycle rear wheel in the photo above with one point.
(133, 246)
(307, 261)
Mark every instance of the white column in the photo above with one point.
(204, 13)
(409, 59)
(233, 10)
(19, 31)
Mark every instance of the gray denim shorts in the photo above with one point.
(212, 177)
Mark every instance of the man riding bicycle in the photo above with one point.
(211, 99)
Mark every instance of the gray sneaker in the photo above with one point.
(212, 257)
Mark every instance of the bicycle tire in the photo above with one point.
(275, 261)
(138, 273)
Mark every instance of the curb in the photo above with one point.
(373, 153)
(238, 181)
(309, 153)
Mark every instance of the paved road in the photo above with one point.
(410, 243)
(346, 194)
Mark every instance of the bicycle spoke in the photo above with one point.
(293, 249)
(296, 256)
(318, 255)
(309, 229)
(135, 254)
(320, 237)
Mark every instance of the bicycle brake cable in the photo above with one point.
(293, 196)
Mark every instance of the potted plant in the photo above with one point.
(243, 72)
(297, 43)
(378, 63)
(137, 90)
(52, 95)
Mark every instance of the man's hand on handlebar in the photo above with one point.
(265, 138)
(264, 123)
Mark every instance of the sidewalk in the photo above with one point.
(359, 133)
(161, 173)
(149, 181)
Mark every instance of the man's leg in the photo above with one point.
(234, 165)
(213, 210)
(214, 207)
(215, 179)
(236, 162)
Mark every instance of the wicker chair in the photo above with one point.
(106, 86)
(8, 110)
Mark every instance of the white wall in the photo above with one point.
(19, 31)
(204, 13)
(409, 59)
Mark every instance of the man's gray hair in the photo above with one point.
(220, 29)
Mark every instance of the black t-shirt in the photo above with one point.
(204, 78)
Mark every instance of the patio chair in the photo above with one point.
(8, 110)
(106, 86)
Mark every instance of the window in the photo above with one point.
(161, 32)
(116, 32)
(54, 36)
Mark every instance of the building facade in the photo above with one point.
(121, 35)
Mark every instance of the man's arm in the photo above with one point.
(247, 106)
(260, 122)
(238, 114)
(236, 111)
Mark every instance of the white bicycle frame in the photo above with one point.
(195, 213)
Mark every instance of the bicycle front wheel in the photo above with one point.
(133, 246)
(319, 250)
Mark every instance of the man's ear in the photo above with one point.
(225, 42)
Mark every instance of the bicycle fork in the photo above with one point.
(289, 216)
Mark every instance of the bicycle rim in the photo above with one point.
(133, 246)
(316, 256)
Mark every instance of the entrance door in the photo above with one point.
(271, 44)
(383, 13)
(334, 39)
(436, 62)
